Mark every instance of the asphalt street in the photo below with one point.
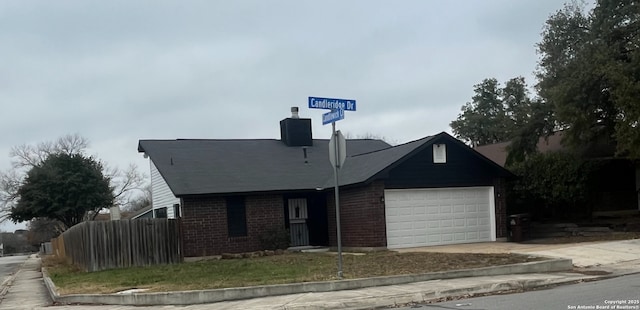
(9, 265)
(616, 293)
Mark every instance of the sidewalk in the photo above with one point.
(26, 288)
(28, 291)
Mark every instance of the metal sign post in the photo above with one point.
(336, 166)
(337, 156)
(337, 151)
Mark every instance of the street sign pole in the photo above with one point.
(338, 154)
(337, 196)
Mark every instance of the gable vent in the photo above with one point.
(439, 153)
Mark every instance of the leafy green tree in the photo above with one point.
(484, 119)
(65, 187)
(589, 70)
(524, 142)
(127, 184)
(500, 114)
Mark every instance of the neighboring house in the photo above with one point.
(232, 193)
(498, 151)
(146, 212)
(614, 185)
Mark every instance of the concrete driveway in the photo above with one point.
(585, 254)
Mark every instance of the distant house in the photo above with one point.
(497, 152)
(615, 185)
(229, 194)
(146, 212)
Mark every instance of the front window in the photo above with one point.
(236, 216)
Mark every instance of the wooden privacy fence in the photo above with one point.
(100, 245)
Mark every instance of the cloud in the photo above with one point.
(120, 71)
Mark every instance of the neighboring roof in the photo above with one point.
(497, 152)
(193, 167)
(137, 213)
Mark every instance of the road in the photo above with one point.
(9, 265)
(616, 293)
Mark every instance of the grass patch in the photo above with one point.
(287, 268)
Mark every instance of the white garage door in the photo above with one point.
(426, 217)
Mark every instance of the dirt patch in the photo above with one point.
(393, 263)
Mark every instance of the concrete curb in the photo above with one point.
(238, 293)
(368, 302)
(4, 287)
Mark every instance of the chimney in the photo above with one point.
(296, 131)
(294, 112)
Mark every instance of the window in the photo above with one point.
(439, 153)
(176, 210)
(236, 217)
(160, 213)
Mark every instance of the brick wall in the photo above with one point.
(362, 216)
(204, 224)
(499, 193)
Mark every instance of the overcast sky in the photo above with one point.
(119, 71)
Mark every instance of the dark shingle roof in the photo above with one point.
(361, 167)
(193, 167)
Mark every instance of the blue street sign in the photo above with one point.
(332, 104)
(333, 116)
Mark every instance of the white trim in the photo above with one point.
(492, 215)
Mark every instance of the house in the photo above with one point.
(229, 194)
(614, 184)
(146, 212)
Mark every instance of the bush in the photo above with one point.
(556, 182)
(276, 238)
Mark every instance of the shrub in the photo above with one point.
(276, 238)
(555, 181)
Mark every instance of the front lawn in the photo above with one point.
(287, 268)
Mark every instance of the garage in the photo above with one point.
(428, 217)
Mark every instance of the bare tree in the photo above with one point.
(140, 201)
(126, 184)
(369, 136)
(43, 230)
(28, 156)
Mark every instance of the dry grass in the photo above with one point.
(287, 268)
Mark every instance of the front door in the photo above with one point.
(298, 216)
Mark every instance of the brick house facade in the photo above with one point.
(232, 193)
(361, 216)
(205, 230)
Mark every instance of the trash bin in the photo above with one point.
(518, 227)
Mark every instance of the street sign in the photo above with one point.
(337, 150)
(341, 153)
(332, 104)
(333, 116)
